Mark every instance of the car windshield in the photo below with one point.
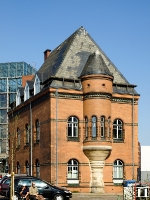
(39, 183)
(7, 182)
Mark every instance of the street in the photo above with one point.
(88, 196)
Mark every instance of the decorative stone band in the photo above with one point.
(97, 95)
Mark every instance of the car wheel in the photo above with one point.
(58, 197)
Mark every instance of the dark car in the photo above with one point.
(45, 189)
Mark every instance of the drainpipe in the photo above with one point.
(56, 93)
(133, 135)
(30, 139)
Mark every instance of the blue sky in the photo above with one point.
(120, 27)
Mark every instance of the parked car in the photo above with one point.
(4, 186)
(45, 189)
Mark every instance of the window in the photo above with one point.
(18, 99)
(26, 92)
(118, 171)
(102, 126)
(117, 129)
(109, 121)
(36, 85)
(37, 126)
(86, 127)
(18, 137)
(18, 168)
(37, 168)
(27, 134)
(73, 171)
(72, 127)
(94, 120)
(27, 167)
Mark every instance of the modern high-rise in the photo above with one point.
(10, 79)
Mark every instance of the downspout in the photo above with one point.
(30, 139)
(56, 137)
(133, 135)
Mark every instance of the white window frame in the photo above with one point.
(26, 92)
(118, 171)
(73, 126)
(73, 172)
(36, 85)
(18, 99)
(117, 128)
(94, 126)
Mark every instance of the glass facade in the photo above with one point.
(10, 79)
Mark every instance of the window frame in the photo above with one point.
(102, 123)
(94, 126)
(118, 129)
(36, 85)
(73, 171)
(72, 128)
(27, 133)
(37, 130)
(26, 92)
(118, 171)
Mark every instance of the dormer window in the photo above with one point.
(18, 99)
(26, 92)
(36, 85)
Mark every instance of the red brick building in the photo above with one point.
(75, 123)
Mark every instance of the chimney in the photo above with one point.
(46, 53)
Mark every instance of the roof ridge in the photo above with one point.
(73, 35)
(110, 62)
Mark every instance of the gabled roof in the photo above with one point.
(69, 58)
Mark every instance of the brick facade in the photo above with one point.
(94, 97)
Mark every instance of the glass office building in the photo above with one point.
(10, 79)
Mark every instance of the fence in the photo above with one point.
(136, 191)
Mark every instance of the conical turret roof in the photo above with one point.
(95, 65)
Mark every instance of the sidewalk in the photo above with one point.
(93, 196)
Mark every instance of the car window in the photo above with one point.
(39, 183)
(26, 182)
(7, 182)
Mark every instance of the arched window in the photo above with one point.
(102, 126)
(86, 127)
(18, 168)
(37, 163)
(72, 127)
(109, 121)
(27, 133)
(117, 129)
(37, 126)
(36, 85)
(27, 167)
(18, 137)
(73, 171)
(94, 121)
(118, 171)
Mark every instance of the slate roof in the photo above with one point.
(95, 65)
(71, 59)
